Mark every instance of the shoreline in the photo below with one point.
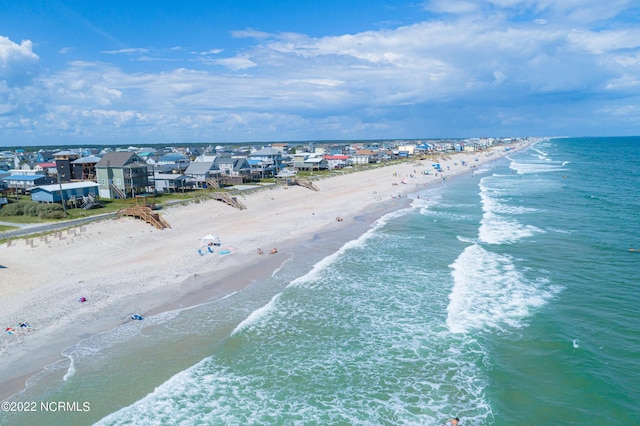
(139, 269)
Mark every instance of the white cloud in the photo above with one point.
(18, 63)
(236, 63)
(126, 51)
(472, 67)
(599, 42)
(250, 33)
(452, 6)
(212, 52)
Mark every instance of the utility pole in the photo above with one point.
(64, 205)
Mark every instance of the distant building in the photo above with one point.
(202, 174)
(84, 168)
(174, 162)
(47, 168)
(282, 147)
(44, 156)
(337, 161)
(233, 171)
(171, 182)
(63, 165)
(23, 183)
(266, 162)
(310, 162)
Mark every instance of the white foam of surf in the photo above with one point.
(523, 168)
(71, 370)
(496, 229)
(257, 315)
(498, 226)
(539, 153)
(490, 293)
(467, 240)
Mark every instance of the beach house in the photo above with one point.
(63, 160)
(171, 182)
(265, 162)
(338, 161)
(307, 161)
(202, 174)
(233, 170)
(121, 175)
(23, 183)
(84, 168)
(174, 162)
(67, 192)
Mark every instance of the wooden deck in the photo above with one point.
(146, 214)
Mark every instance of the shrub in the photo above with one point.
(13, 209)
(33, 209)
(49, 211)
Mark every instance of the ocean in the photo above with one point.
(506, 296)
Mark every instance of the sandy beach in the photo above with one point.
(125, 266)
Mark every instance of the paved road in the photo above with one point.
(34, 228)
(19, 225)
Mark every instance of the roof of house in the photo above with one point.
(118, 159)
(169, 176)
(26, 178)
(174, 156)
(266, 151)
(66, 153)
(314, 160)
(199, 168)
(87, 160)
(238, 163)
(65, 186)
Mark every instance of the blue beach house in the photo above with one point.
(69, 191)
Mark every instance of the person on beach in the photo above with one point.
(274, 250)
(260, 251)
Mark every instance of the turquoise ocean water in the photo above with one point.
(504, 297)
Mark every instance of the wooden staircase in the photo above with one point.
(226, 198)
(146, 214)
(212, 183)
(118, 191)
(307, 184)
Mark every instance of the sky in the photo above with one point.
(76, 72)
